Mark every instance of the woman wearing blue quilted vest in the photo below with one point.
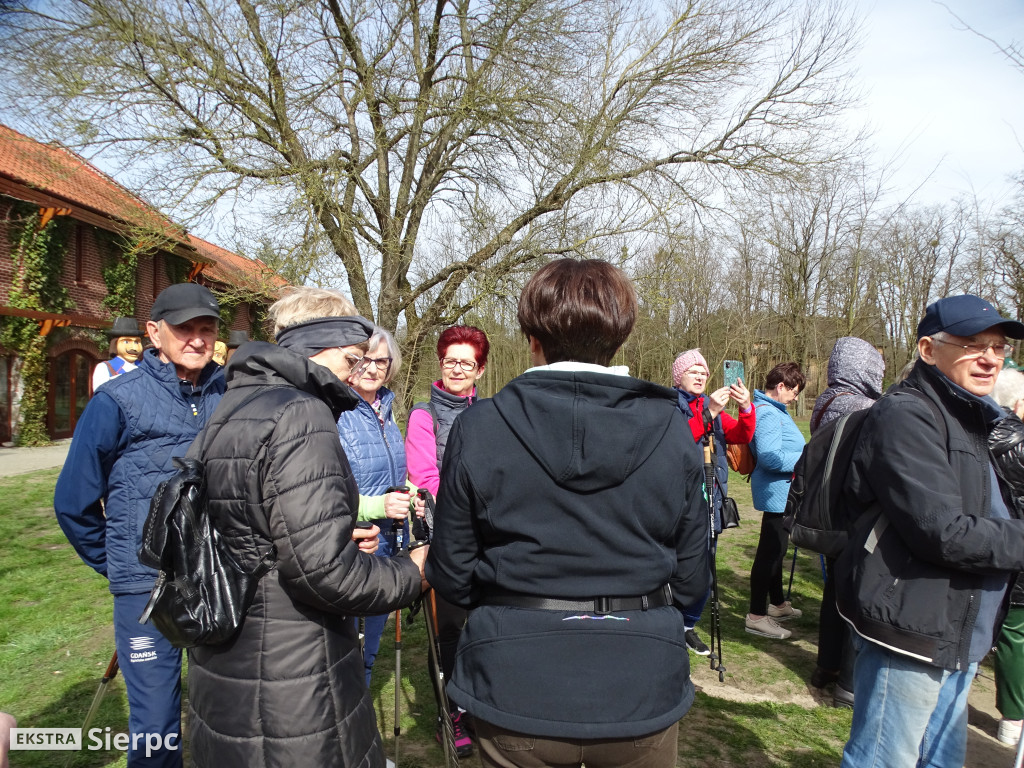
(777, 444)
(376, 452)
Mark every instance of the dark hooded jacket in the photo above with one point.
(572, 485)
(855, 370)
(289, 689)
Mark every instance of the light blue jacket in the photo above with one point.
(777, 444)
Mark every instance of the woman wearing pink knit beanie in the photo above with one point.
(690, 374)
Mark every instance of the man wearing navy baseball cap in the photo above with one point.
(124, 445)
(933, 547)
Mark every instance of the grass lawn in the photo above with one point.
(56, 641)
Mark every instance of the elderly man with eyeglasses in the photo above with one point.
(925, 574)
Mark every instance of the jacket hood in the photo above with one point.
(260, 364)
(588, 431)
(856, 366)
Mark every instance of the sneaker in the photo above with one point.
(1009, 731)
(784, 611)
(463, 744)
(766, 626)
(695, 644)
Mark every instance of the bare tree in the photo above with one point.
(422, 143)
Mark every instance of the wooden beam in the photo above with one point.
(82, 321)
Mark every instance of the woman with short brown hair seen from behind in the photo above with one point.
(571, 520)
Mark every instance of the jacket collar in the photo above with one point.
(168, 374)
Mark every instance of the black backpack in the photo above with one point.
(202, 591)
(818, 515)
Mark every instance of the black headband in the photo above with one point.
(315, 336)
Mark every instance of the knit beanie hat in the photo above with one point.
(685, 362)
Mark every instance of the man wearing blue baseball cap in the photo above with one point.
(124, 445)
(923, 578)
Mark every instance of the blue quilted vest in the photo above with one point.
(376, 452)
(161, 422)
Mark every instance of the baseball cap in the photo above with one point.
(182, 302)
(965, 315)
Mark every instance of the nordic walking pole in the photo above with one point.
(109, 675)
(1019, 760)
(398, 529)
(716, 607)
(422, 534)
(792, 569)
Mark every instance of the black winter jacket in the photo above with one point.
(924, 541)
(289, 689)
(572, 485)
(1006, 442)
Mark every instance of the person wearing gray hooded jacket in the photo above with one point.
(855, 370)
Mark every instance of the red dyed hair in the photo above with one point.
(465, 334)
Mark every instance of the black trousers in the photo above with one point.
(766, 571)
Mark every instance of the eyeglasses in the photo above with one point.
(353, 361)
(449, 364)
(1000, 350)
(380, 363)
(695, 372)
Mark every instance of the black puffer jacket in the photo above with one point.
(1006, 442)
(288, 690)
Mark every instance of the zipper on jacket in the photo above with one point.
(892, 587)
(391, 456)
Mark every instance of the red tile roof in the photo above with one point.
(60, 173)
(231, 269)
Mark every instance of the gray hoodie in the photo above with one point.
(855, 370)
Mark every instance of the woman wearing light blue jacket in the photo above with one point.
(777, 445)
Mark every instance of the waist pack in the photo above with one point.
(202, 590)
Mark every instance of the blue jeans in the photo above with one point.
(692, 613)
(906, 713)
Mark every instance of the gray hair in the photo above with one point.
(379, 335)
(1009, 388)
(306, 303)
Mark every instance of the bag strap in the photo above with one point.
(199, 446)
(821, 414)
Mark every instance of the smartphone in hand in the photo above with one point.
(733, 370)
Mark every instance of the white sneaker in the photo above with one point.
(1009, 731)
(766, 626)
(784, 611)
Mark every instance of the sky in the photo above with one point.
(945, 106)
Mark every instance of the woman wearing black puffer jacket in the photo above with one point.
(1006, 442)
(289, 689)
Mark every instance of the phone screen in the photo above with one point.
(733, 370)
